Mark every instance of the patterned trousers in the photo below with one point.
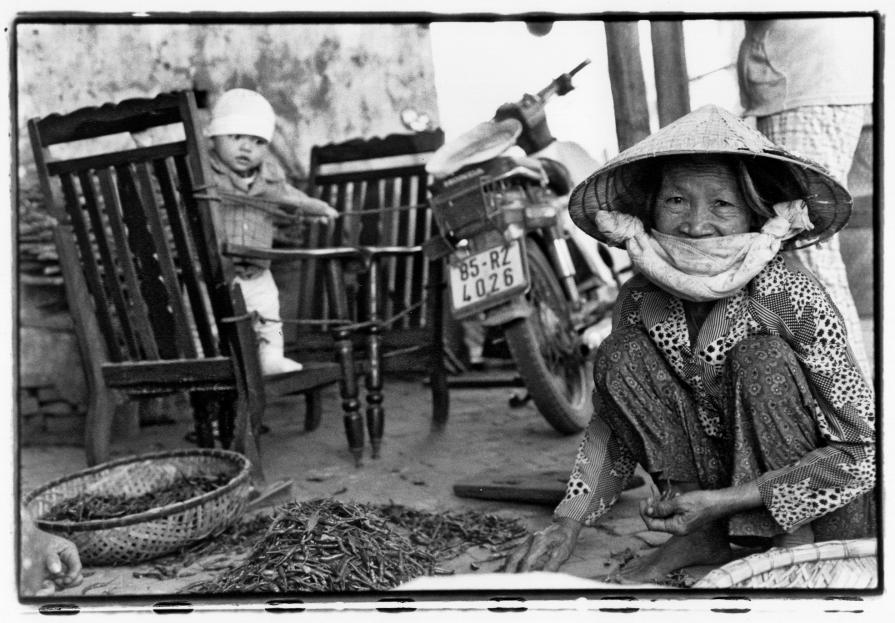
(766, 424)
(829, 136)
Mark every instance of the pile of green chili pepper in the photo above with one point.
(329, 546)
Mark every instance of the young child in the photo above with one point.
(242, 125)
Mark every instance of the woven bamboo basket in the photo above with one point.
(155, 532)
(828, 565)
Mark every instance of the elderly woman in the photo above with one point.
(727, 375)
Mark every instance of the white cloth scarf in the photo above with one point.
(704, 269)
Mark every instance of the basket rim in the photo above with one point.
(736, 571)
(149, 515)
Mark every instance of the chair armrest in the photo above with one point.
(361, 253)
(374, 251)
(326, 253)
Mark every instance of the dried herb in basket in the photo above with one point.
(92, 506)
(327, 545)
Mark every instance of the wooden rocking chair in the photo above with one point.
(148, 286)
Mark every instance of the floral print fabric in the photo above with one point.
(834, 465)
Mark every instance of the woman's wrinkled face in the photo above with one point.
(698, 200)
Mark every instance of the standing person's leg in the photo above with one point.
(828, 135)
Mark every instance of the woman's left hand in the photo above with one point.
(681, 514)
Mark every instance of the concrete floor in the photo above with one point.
(417, 468)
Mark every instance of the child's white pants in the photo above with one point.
(262, 296)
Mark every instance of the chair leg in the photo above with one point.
(438, 376)
(203, 414)
(246, 441)
(354, 424)
(313, 409)
(250, 399)
(373, 381)
(98, 425)
(226, 414)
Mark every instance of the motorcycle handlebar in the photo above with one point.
(529, 111)
(562, 84)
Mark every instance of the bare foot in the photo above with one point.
(801, 536)
(705, 547)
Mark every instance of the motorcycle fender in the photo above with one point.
(514, 309)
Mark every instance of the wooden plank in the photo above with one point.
(670, 68)
(314, 374)
(182, 335)
(185, 259)
(182, 372)
(145, 251)
(200, 219)
(368, 149)
(546, 487)
(90, 269)
(139, 313)
(109, 261)
(117, 158)
(133, 115)
(626, 81)
(543, 487)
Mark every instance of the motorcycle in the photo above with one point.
(500, 204)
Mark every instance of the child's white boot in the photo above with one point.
(261, 295)
(270, 348)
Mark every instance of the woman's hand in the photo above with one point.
(681, 514)
(686, 512)
(546, 549)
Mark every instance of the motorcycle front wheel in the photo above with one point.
(545, 349)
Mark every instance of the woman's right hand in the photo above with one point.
(546, 549)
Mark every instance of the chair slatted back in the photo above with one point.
(137, 222)
(380, 186)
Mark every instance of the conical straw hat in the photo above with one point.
(617, 185)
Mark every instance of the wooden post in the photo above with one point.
(670, 66)
(626, 80)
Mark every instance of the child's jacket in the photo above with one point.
(247, 225)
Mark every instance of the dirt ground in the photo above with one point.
(418, 468)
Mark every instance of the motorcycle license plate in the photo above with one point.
(486, 279)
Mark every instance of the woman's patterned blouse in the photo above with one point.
(778, 301)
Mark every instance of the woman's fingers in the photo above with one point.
(537, 551)
(516, 556)
(658, 524)
(547, 549)
(662, 515)
(557, 557)
(665, 508)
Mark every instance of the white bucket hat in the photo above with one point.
(242, 111)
